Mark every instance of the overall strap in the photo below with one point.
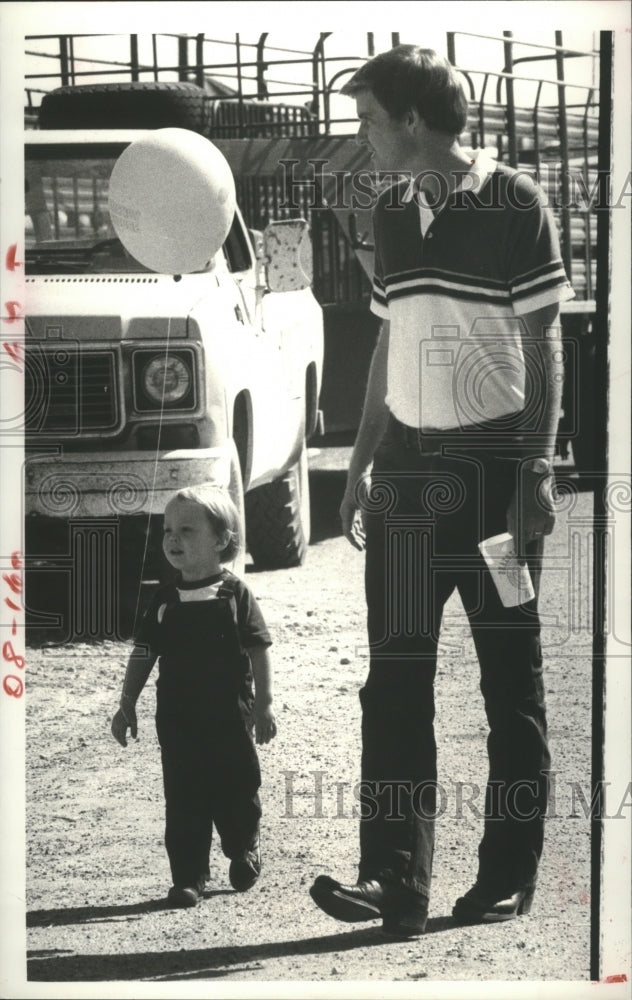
(227, 591)
(170, 598)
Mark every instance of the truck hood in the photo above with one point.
(71, 301)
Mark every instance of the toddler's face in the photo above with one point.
(190, 541)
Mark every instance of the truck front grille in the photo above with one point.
(69, 391)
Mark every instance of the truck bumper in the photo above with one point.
(106, 485)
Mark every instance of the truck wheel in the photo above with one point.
(278, 519)
(127, 105)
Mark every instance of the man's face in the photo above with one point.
(388, 140)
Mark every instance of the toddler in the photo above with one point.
(208, 633)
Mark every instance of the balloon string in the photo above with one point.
(153, 485)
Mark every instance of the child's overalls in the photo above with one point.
(209, 761)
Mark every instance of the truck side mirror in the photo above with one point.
(261, 281)
(288, 250)
(256, 238)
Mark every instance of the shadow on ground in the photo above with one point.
(207, 963)
(84, 914)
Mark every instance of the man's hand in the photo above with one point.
(531, 512)
(265, 723)
(122, 721)
(352, 521)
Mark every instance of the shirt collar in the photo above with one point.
(207, 581)
(482, 166)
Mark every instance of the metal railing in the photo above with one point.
(252, 98)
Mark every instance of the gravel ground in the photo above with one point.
(97, 873)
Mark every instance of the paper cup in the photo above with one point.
(513, 581)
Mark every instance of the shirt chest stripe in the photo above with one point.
(432, 288)
(447, 281)
(443, 274)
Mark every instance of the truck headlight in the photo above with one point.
(164, 380)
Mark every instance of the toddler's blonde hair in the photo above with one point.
(220, 510)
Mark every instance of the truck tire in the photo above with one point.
(127, 105)
(278, 519)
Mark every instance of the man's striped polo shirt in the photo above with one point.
(454, 287)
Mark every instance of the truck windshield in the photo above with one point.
(67, 225)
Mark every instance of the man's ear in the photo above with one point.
(413, 119)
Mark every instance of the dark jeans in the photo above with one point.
(425, 516)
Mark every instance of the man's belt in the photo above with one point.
(501, 436)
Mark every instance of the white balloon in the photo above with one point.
(172, 200)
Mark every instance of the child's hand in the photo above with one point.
(123, 721)
(265, 723)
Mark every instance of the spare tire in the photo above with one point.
(127, 105)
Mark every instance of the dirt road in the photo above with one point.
(97, 871)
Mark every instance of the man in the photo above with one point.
(458, 434)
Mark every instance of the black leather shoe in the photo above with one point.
(348, 902)
(481, 905)
(404, 913)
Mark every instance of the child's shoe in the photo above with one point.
(188, 895)
(244, 872)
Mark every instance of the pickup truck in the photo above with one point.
(140, 383)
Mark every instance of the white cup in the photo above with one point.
(513, 581)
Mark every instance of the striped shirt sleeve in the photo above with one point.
(535, 271)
